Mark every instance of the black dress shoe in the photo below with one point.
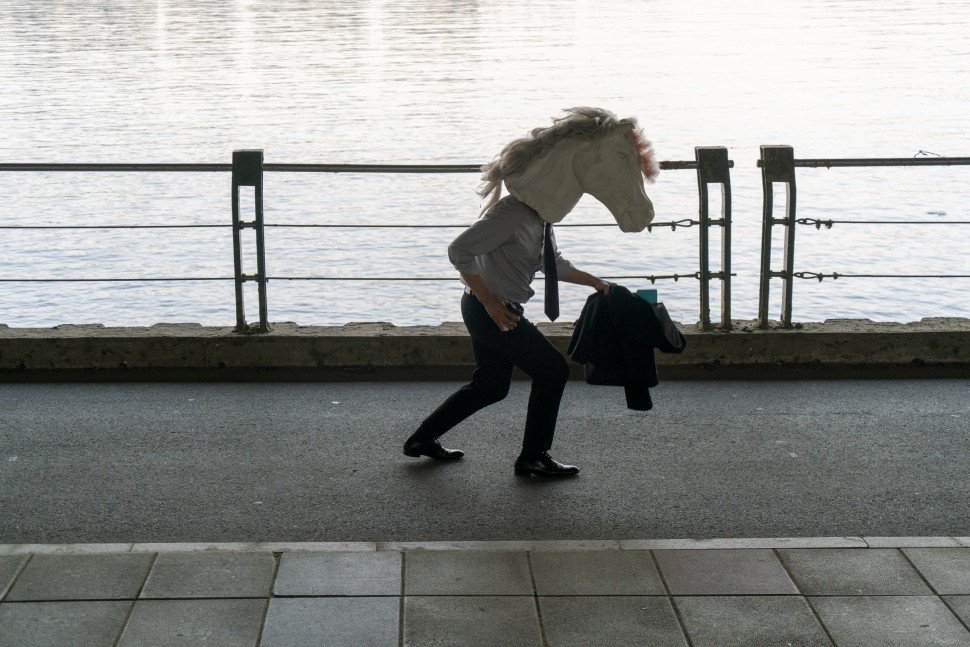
(431, 449)
(543, 465)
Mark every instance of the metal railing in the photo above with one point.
(778, 165)
(711, 164)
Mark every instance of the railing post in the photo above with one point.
(247, 170)
(713, 166)
(777, 165)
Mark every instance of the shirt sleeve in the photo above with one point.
(486, 234)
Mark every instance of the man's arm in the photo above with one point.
(582, 278)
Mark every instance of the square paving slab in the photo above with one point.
(751, 621)
(946, 569)
(82, 577)
(890, 621)
(339, 573)
(210, 575)
(179, 623)
(302, 622)
(62, 624)
(509, 621)
(724, 572)
(610, 572)
(850, 571)
(625, 621)
(467, 573)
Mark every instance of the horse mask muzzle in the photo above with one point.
(613, 175)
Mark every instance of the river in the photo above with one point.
(451, 81)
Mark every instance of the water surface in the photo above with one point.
(434, 81)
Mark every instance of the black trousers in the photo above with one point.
(496, 353)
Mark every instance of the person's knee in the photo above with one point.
(564, 371)
(492, 391)
(558, 373)
(496, 392)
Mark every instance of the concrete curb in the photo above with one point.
(478, 546)
(844, 349)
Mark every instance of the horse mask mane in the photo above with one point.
(589, 151)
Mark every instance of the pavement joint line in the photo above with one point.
(16, 576)
(535, 601)
(499, 545)
(946, 603)
(818, 617)
(668, 594)
(804, 596)
(277, 558)
(920, 573)
(400, 603)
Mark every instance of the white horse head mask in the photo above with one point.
(587, 151)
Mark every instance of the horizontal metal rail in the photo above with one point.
(778, 165)
(878, 161)
(276, 168)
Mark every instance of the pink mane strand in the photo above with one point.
(648, 160)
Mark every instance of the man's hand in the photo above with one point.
(495, 306)
(604, 287)
(498, 310)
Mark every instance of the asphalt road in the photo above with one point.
(323, 462)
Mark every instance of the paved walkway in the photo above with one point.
(322, 462)
(842, 591)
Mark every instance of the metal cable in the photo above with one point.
(828, 223)
(685, 223)
(837, 275)
(121, 280)
(878, 161)
(113, 226)
(651, 278)
(672, 224)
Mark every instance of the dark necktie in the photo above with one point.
(552, 279)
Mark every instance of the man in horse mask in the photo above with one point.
(589, 150)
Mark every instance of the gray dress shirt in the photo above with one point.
(505, 247)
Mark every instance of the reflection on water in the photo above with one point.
(452, 81)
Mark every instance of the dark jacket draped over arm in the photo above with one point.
(615, 337)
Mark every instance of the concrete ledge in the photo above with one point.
(938, 347)
(535, 545)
